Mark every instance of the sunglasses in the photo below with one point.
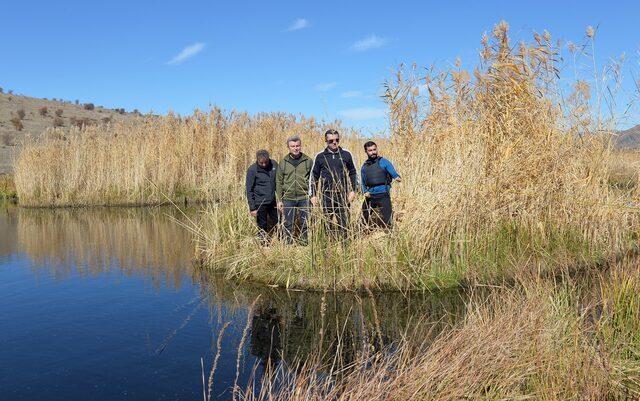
(333, 140)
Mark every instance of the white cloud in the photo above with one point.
(368, 43)
(187, 53)
(324, 87)
(363, 113)
(298, 24)
(351, 94)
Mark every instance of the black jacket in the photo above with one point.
(261, 185)
(333, 171)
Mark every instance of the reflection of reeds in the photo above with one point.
(531, 341)
(91, 241)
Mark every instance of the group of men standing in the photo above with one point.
(295, 184)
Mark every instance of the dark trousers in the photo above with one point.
(292, 209)
(267, 219)
(377, 211)
(336, 210)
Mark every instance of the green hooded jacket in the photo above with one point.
(292, 179)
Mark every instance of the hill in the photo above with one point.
(23, 115)
(628, 139)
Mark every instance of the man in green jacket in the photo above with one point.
(292, 188)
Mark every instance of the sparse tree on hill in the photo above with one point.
(77, 101)
(1, 90)
(17, 123)
(89, 106)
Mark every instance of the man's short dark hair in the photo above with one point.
(369, 144)
(331, 132)
(262, 154)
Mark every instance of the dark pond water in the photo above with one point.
(104, 304)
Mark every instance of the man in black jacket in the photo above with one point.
(334, 171)
(261, 193)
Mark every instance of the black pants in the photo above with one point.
(377, 211)
(267, 219)
(336, 210)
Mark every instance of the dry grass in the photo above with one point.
(496, 181)
(197, 158)
(539, 340)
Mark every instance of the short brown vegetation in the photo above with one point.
(58, 122)
(17, 123)
(21, 114)
(59, 112)
(43, 111)
(8, 139)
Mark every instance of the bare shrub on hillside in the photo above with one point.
(8, 139)
(17, 123)
(21, 113)
(59, 112)
(89, 106)
(43, 111)
(81, 122)
(58, 122)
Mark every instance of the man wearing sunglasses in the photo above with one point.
(335, 174)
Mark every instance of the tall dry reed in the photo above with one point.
(498, 177)
(196, 158)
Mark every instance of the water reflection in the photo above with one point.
(94, 241)
(190, 306)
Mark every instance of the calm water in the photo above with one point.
(104, 304)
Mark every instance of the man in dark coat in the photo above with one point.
(261, 193)
(335, 174)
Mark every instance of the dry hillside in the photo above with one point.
(22, 115)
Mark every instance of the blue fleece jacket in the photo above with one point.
(379, 189)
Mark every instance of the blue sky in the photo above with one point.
(327, 59)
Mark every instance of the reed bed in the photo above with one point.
(202, 157)
(535, 340)
(499, 178)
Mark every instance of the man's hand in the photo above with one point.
(367, 194)
(399, 179)
(351, 196)
(280, 206)
(254, 213)
(314, 200)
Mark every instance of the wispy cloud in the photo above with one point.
(351, 94)
(298, 24)
(187, 53)
(325, 87)
(368, 43)
(363, 113)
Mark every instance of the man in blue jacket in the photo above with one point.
(376, 174)
(261, 193)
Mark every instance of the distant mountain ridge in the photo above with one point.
(628, 139)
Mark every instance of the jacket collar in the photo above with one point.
(302, 158)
